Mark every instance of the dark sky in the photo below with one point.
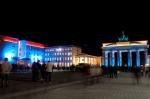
(86, 29)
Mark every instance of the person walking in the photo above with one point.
(5, 71)
(49, 70)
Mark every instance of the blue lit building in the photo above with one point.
(126, 53)
(9, 48)
(24, 51)
(20, 50)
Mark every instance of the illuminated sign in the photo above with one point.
(22, 49)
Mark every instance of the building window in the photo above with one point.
(65, 58)
(57, 59)
(68, 64)
(70, 58)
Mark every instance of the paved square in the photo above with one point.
(124, 87)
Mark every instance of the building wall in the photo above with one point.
(9, 50)
(16, 50)
(61, 55)
(34, 54)
(27, 51)
(88, 59)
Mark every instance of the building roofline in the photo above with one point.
(142, 42)
(16, 40)
(64, 46)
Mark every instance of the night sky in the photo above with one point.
(88, 31)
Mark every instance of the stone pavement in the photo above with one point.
(22, 82)
(124, 87)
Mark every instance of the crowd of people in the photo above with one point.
(39, 71)
(42, 72)
(138, 72)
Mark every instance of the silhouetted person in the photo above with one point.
(111, 71)
(0, 68)
(5, 70)
(43, 72)
(39, 75)
(137, 73)
(115, 71)
(34, 71)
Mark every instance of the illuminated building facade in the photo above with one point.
(62, 55)
(88, 59)
(125, 53)
(24, 51)
(16, 50)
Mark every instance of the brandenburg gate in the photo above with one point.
(112, 52)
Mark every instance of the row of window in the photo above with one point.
(62, 49)
(34, 48)
(58, 58)
(63, 64)
(48, 54)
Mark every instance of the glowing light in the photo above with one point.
(9, 56)
(35, 58)
(59, 49)
(9, 39)
(106, 59)
(138, 59)
(29, 43)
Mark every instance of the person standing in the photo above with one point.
(49, 70)
(39, 75)
(0, 68)
(5, 71)
(43, 72)
(34, 71)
